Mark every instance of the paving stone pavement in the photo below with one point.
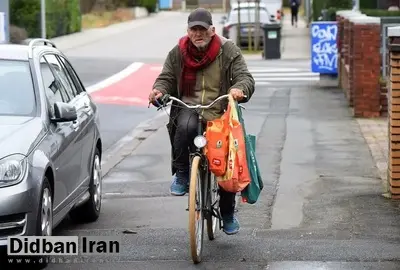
(375, 132)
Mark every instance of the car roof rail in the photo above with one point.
(35, 41)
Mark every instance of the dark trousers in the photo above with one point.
(186, 131)
(295, 11)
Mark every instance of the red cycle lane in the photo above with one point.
(131, 90)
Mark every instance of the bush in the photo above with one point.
(150, 5)
(342, 4)
(75, 18)
(317, 6)
(331, 6)
(368, 4)
(23, 15)
(368, 12)
(286, 3)
(331, 13)
(380, 12)
(17, 34)
(62, 17)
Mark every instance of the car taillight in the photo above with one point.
(278, 14)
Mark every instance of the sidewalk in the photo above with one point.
(296, 44)
(295, 41)
(375, 131)
(79, 39)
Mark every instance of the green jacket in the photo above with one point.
(234, 74)
(234, 71)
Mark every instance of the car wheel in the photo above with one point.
(90, 210)
(44, 225)
(45, 217)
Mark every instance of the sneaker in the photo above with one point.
(180, 184)
(230, 225)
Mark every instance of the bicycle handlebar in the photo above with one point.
(168, 97)
(198, 106)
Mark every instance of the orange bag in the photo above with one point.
(237, 175)
(216, 150)
(242, 167)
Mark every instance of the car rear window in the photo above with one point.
(248, 15)
(17, 96)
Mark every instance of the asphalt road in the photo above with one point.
(116, 120)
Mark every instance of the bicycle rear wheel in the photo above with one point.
(196, 219)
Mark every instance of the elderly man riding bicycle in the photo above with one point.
(200, 68)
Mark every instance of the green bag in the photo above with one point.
(251, 193)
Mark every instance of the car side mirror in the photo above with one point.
(64, 112)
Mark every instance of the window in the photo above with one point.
(73, 75)
(60, 73)
(248, 15)
(53, 87)
(17, 93)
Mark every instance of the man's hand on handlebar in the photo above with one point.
(237, 94)
(154, 95)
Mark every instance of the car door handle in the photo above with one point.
(87, 109)
(75, 125)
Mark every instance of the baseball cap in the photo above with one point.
(201, 17)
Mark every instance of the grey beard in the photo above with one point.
(202, 47)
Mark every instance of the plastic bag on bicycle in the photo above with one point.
(237, 175)
(216, 150)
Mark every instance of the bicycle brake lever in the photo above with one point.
(165, 99)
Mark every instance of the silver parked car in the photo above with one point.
(50, 144)
(250, 17)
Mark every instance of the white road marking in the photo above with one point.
(132, 68)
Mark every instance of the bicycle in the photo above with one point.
(202, 186)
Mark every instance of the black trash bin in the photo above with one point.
(272, 41)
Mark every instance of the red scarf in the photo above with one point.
(194, 60)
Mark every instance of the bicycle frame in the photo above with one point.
(208, 210)
(211, 210)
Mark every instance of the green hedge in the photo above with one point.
(368, 12)
(368, 4)
(150, 5)
(330, 6)
(317, 6)
(380, 12)
(286, 3)
(62, 17)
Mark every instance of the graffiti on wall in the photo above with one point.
(323, 47)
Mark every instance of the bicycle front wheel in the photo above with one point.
(196, 220)
(212, 205)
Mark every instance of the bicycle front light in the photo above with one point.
(200, 141)
(12, 170)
